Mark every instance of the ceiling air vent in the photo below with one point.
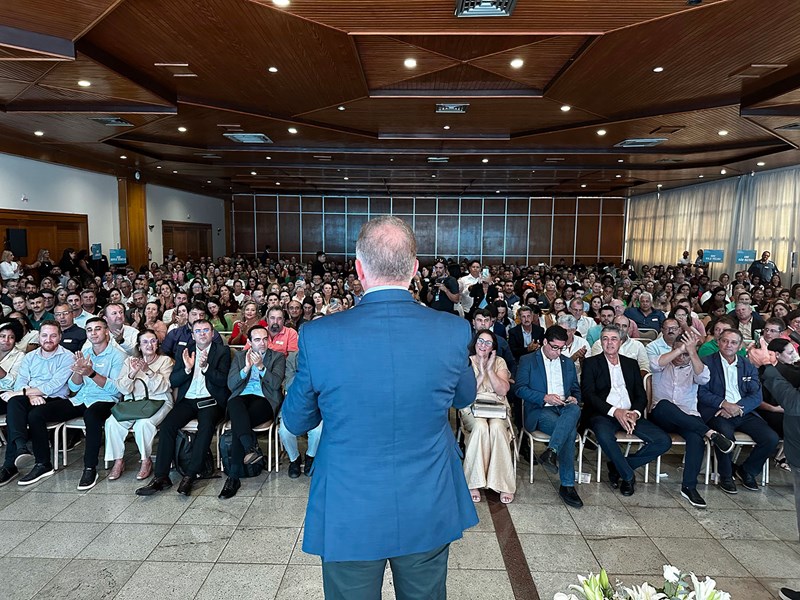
(640, 142)
(484, 8)
(669, 160)
(206, 155)
(438, 159)
(323, 157)
(452, 109)
(790, 127)
(112, 121)
(248, 138)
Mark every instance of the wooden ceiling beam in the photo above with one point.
(39, 43)
(460, 94)
(35, 106)
(772, 86)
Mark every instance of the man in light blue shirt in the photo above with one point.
(42, 381)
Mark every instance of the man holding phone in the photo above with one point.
(443, 291)
(201, 375)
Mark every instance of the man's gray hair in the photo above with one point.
(387, 248)
(647, 295)
(611, 329)
(568, 322)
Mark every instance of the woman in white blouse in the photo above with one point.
(9, 268)
(153, 370)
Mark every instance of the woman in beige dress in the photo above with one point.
(488, 459)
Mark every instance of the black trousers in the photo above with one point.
(183, 412)
(245, 412)
(23, 418)
(774, 420)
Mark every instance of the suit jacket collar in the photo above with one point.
(388, 295)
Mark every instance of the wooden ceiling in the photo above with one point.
(345, 115)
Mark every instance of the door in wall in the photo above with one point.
(187, 239)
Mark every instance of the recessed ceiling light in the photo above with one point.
(565, 108)
(583, 185)
(277, 183)
(601, 132)
(760, 164)
(485, 160)
(620, 160)
(38, 133)
(701, 176)
(123, 157)
(209, 181)
(497, 191)
(182, 129)
(174, 172)
(347, 179)
(269, 158)
(281, 3)
(158, 166)
(517, 63)
(723, 132)
(434, 176)
(446, 127)
(723, 171)
(410, 63)
(292, 130)
(253, 173)
(340, 107)
(84, 83)
(273, 69)
(660, 185)
(618, 176)
(658, 69)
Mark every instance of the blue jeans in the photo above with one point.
(757, 428)
(289, 441)
(560, 423)
(692, 428)
(656, 443)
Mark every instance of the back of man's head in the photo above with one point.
(387, 250)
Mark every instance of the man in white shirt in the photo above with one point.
(577, 348)
(124, 335)
(631, 348)
(582, 322)
(466, 282)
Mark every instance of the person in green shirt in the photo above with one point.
(717, 328)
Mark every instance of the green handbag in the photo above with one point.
(132, 409)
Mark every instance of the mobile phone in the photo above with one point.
(485, 272)
(334, 303)
(206, 403)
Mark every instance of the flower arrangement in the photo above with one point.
(676, 586)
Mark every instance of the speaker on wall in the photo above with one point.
(17, 241)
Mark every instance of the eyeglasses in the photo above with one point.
(672, 328)
(484, 342)
(62, 313)
(554, 347)
(205, 330)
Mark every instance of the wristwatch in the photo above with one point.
(93, 374)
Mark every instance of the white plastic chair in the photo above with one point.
(273, 450)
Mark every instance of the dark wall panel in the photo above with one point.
(447, 236)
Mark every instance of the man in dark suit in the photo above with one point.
(728, 403)
(255, 380)
(388, 483)
(548, 384)
(527, 336)
(615, 400)
(200, 374)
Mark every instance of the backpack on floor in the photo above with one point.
(252, 470)
(184, 443)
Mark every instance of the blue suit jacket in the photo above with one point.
(531, 384)
(711, 395)
(388, 479)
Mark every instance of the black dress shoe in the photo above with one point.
(727, 485)
(7, 474)
(309, 463)
(748, 481)
(613, 475)
(722, 443)
(627, 488)
(294, 468)
(232, 485)
(185, 486)
(549, 460)
(253, 455)
(570, 496)
(156, 485)
(693, 497)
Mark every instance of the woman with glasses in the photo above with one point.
(488, 460)
(151, 369)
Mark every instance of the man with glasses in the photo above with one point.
(201, 375)
(631, 348)
(773, 329)
(72, 337)
(670, 330)
(548, 384)
(677, 375)
(180, 338)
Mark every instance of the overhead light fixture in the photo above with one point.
(723, 172)
(446, 127)
(84, 83)
(209, 181)
(123, 157)
(618, 176)
(601, 132)
(340, 107)
(583, 185)
(433, 176)
(347, 179)
(158, 166)
(497, 191)
(269, 158)
(38, 133)
(182, 129)
(760, 164)
(174, 172)
(566, 108)
(723, 132)
(620, 160)
(701, 176)
(292, 130)
(273, 69)
(410, 63)
(485, 160)
(660, 185)
(658, 69)
(281, 3)
(517, 63)
(277, 183)
(253, 173)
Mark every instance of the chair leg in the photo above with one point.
(658, 470)
(599, 461)
(64, 444)
(580, 461)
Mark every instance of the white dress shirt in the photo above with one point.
(555, 378)
(731, 372)
(618, 396)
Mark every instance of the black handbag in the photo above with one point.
(132, 409)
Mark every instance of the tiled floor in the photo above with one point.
(109, 543)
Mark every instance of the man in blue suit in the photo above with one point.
(388, 482)
(727, 404)
(548, 384)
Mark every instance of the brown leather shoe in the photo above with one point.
(145, 470)
(117, 469)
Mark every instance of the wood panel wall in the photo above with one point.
(187, 239)
(133, 221)
(53, 231)
(494, 230)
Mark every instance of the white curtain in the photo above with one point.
(760, 212)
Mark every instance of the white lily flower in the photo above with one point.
(672, 574)
(562, 596)
(644, 592)
(704, 590)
